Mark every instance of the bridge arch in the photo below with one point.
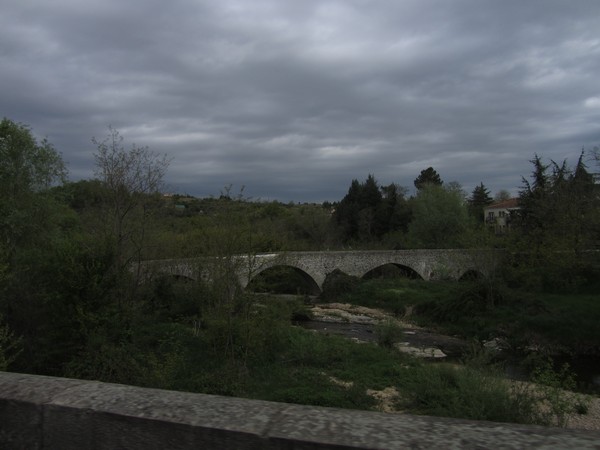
(310, 284)
(392, 269)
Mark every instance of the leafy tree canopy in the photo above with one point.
(439, 218)
(26, 165)
(501, 196)
(27, 169)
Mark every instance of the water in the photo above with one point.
(414, 337)
(362, 332)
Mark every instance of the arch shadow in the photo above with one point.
(283, 279)
(392, 270)
(471, 275)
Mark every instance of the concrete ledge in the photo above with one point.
(38, 412)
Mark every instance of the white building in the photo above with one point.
(499, 215)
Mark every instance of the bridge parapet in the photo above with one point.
(428, 264)
(38, 412)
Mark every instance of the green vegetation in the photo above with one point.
(440, 218)
(480, 198)
(556, 323)
(71, 305)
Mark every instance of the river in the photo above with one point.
(360, 323)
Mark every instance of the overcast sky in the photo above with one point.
(295, 98)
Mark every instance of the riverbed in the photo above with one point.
(359, 323)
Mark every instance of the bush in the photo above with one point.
(552, 384)
(388, 333)
(10, 346)
(466, 393)
(337, 283)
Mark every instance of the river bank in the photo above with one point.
(359, 324)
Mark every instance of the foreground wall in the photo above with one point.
(57, 413)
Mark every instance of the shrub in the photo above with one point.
(337, 283)
(466, 393)
(552, 384)
(10, 346)
(388, 333)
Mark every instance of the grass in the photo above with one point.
(395, 295)
(316, 369)
(260, 355)
(311, 370)
(465, 392)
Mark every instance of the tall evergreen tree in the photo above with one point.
(559, 223)
(371, 194)
(357, 213)
(480, 198)
(532, 197)
(558, 209)
(346, 213)
(428, 176)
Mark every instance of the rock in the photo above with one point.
(420, 352)
(495, 344)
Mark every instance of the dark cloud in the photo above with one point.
(295, 99)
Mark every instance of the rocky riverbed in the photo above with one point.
(359, 323)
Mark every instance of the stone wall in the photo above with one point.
(38, 412)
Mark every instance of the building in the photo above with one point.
(499, 215)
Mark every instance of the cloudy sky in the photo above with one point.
(293, 99)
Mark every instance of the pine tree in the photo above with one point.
(480, 198)
(357, 212)
(559, 209)
(428, 176)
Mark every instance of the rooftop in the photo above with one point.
(506, 204)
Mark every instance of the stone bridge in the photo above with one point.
(315, 266)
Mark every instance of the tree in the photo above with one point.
(27, 170)
(346, 213)
(480, 198)
(559, 215)
(394, 213)
(131, 178)
(595, 156)
(501, 196)
(311, 223)
(357, 211)
(428, 176)
(370, 201)
(439, 218)
(26, 165)
(43, 278)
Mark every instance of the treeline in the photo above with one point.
(438, 216)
